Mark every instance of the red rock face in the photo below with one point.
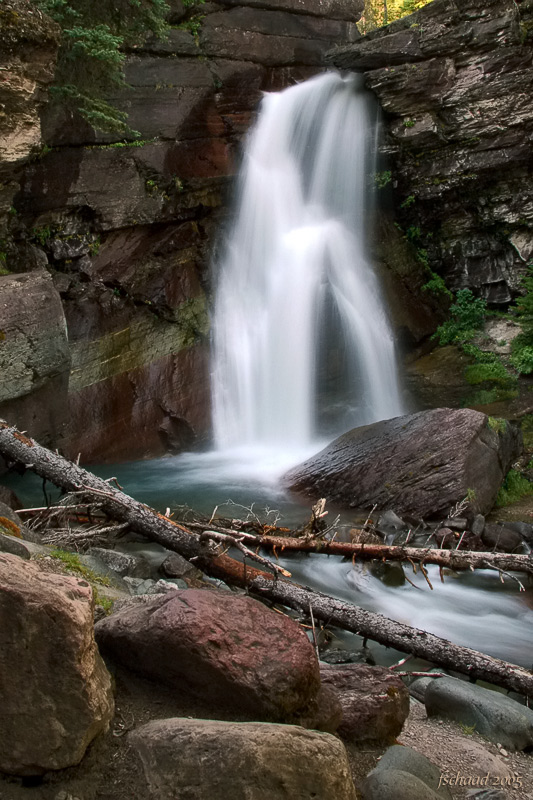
(227, 649)
(128, 231)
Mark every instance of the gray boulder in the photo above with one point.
(196, 759)
(420, 464)
(495, 716)
(404, 774)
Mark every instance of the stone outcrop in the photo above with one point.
(28, 49)
(375, 703)
(55, 691)
(223, 648)
(420, 464)
(34, 354)
(455, 80)
(126, 228)
(203, 758)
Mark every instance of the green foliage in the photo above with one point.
(497, 425)
(487, 367)
(522, 357)
(409, 123)
(381, 12)
(522, 345)
(408, 201)
(90, 62)
(71, 563)
(514, 488)
(193, 25)
(382, 179)
(466, 318)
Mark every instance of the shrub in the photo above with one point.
(90, 62)
(466, 318)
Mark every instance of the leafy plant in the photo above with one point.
(466, 318)
(514, 488)
(383, 179)
(409, 123)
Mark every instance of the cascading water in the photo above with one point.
(296, 257)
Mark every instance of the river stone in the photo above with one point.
(404, 774)
(419, 464)
(375, 703)
(196, 759)
(501, 539)
(122, 563)
(55, 692)
(223, 647)
(10, 544)
(496, 717)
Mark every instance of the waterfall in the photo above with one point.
(296, 293)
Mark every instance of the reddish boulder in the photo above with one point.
(55, 692)
(224, 648)
(375, 703)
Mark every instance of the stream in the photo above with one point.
(471, 609)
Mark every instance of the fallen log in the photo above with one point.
(17, 447)
(390, 633)
(451, 559)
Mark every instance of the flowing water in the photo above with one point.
(294, 285)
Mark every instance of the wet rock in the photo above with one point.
(175, 566)
(184, 756)
(121, 563)
(420, 464)
(390, 574)
(226, 648)
(336, 656)
(11, 524)
(390, 525)
(523, 528)
(55, 692)
(163, 587)
(494, 715)
(478, 525)
(139, 586)
(501, 538)
(404, 774)
(375, 703)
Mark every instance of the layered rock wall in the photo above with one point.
(126, 228)
(455, 81)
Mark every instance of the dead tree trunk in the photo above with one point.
(16, 447)
(452, 559)
(394, 634)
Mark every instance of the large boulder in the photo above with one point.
(55, 692)
(495, 716)
(374, 701)
(419, 464)
(223, 648)
(202, 758)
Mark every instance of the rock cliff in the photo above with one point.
(455, 81)
(126, 228)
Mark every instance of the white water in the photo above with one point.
(295, 258)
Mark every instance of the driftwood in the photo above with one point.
(16, 447)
